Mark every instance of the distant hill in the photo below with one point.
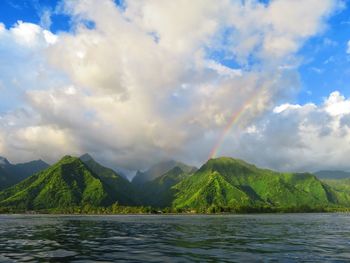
(6, 179)
(227, 182)
(121, 187)
(329, 174)
(11, 174)
(159, 192)
(158, 170)
(67, 183)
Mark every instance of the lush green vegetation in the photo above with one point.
(341, 187)
(122, 188)
(67, 183)
(222, 185)
(227, 182)
(86, 209)
(11, 174)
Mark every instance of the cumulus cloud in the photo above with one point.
(299, 137)
(141, 83)
(24, 64)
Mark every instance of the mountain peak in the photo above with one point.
(68, 159)
(86, 157)
(82, 186)
(227, 161)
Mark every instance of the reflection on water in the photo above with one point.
(234, 238)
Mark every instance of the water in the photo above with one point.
(227, 238)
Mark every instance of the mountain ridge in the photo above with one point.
(220, 184)
(121, 186)
(67, 183)
(229, 182)
(10, 174)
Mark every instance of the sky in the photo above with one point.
(137, 82)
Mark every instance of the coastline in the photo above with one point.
(153, 213)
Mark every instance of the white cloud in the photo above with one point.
(30, 35)
(49, 37)
(45, 19)
(142, 84)
(317, 70)
(348, 47)
(337, 105)
(223, 70)
(2, 28)
(285, 107)
(298, 137)
(26, 33)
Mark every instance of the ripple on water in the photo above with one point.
(57, 254)
(253, 238)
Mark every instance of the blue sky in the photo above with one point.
(31, 11)
(325, 64)
(143, 81)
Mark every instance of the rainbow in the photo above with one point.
(236, 116)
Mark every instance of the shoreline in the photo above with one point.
(172, 214)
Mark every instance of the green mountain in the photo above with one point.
(158, 170)
(339, 181)
(329, 174)
(67, 183)
(222, 184)
(159, 192)
(10, 174)
(341, 187)
(227, 182)
(121, 187)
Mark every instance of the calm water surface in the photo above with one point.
(228, 238)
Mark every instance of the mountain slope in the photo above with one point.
(228, 182)
(11, 174)
(5, 179)
(26, 169)
(7, 175)
(158, 170)
(341, 187)
(222, 184)
(121, 187)
(67, 183)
